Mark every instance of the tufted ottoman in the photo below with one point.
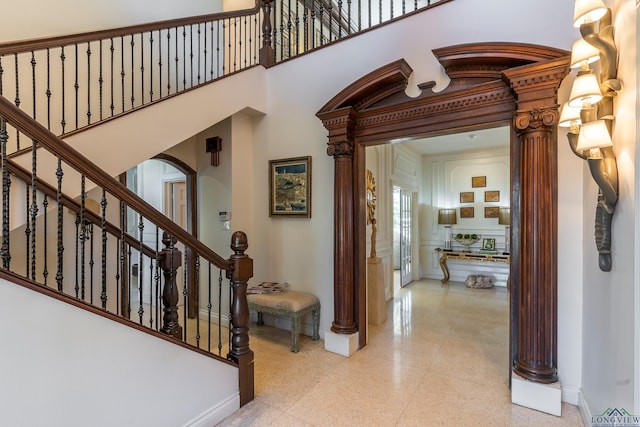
(289, 304)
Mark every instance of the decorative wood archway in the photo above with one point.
(491, 84)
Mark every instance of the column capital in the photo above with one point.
(340, 148)
(536, 118)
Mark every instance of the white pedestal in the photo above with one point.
(375, 292)
(342, 344)
(541, 397)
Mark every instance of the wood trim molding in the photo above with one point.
(491, 84)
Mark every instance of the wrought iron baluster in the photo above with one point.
(88, 83)
(45, 271)
(33, 83)
(305, 25)
(321, 10)
(369, 10)
(177, 63)
(34, 206)
(313, 24)
(1, 77)
(128, 281)
(380, 13)
(124, 284)
(168, 63)
(83, 235)
(48, 92)
(190, 53)
(217, 51)
(59, 272)
(151, 292)
(76, 84)
(330, 13)
(196, 280)
(157, 278)
(218, 48)
(184, 57)
(142, 68)
(17, 98)
(289, 27)
(103, 226)
(118, 300)
(133, 75)
(100, 83)
(199, 49)
(122, 72)
(229, 69)
(159, 64)
(91, 239)
(6, 186)
(339, 19)
(246, 44)
(140, 267)
(220, 313)
(112, 86)
(77, 264)
(209, 306)
(63, 122)
(185, 292)
(27, 230)
(230, 324)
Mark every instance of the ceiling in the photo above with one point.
(476, 140)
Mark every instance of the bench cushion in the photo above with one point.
(286, 300)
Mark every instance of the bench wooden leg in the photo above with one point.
(316, 324)
(260, 319)
(295, 333)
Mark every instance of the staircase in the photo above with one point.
(80, 109)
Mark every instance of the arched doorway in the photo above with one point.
(491, 84)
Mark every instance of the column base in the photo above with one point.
(541, 397)
(376, 302)
(342, 344)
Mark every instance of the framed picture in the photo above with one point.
(491, 211)
(489, 244)
(466, 197)
(491, 196)
(290, 187)
(478, 181)
(466, 213)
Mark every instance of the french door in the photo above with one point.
(405, 238)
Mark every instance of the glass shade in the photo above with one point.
(583, 54)
(569, 116)
(504, 216)
(586, 11)
(585, 91)
(594, 135)
(447, 216)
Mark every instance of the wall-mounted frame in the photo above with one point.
(290, 187)
(466, 197)
(491, 211)
(491, 196)
(478, 181)
(489, 244)
(466, 213)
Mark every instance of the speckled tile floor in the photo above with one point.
(441, 359)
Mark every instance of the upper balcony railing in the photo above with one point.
(72, 82)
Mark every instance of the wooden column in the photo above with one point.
(343, 253)
(536, 300)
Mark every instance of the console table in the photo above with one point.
(467, 256)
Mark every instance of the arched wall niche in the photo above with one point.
(492, 84)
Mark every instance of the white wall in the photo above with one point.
(75, 378)
(445, 177)
(608, 328)
(36, 18)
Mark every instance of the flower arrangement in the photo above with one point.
(466, 240)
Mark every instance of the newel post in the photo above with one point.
(267, 56)
(240, 351)
(170, 260)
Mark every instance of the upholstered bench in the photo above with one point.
(289, 304)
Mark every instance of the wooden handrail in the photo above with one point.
(29, 45)
(34, 130)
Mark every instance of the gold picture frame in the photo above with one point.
(467, 212)
(467, 197)
(478, 181)
(491, 196)
(290, 187)
(491, 211)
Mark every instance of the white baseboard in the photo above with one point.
(585, 412)
(214, 415)
(570, 394)
(541, 397)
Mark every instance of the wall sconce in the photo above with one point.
(214, 146)
(504, 218)
(589, 112)
(447, 217)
